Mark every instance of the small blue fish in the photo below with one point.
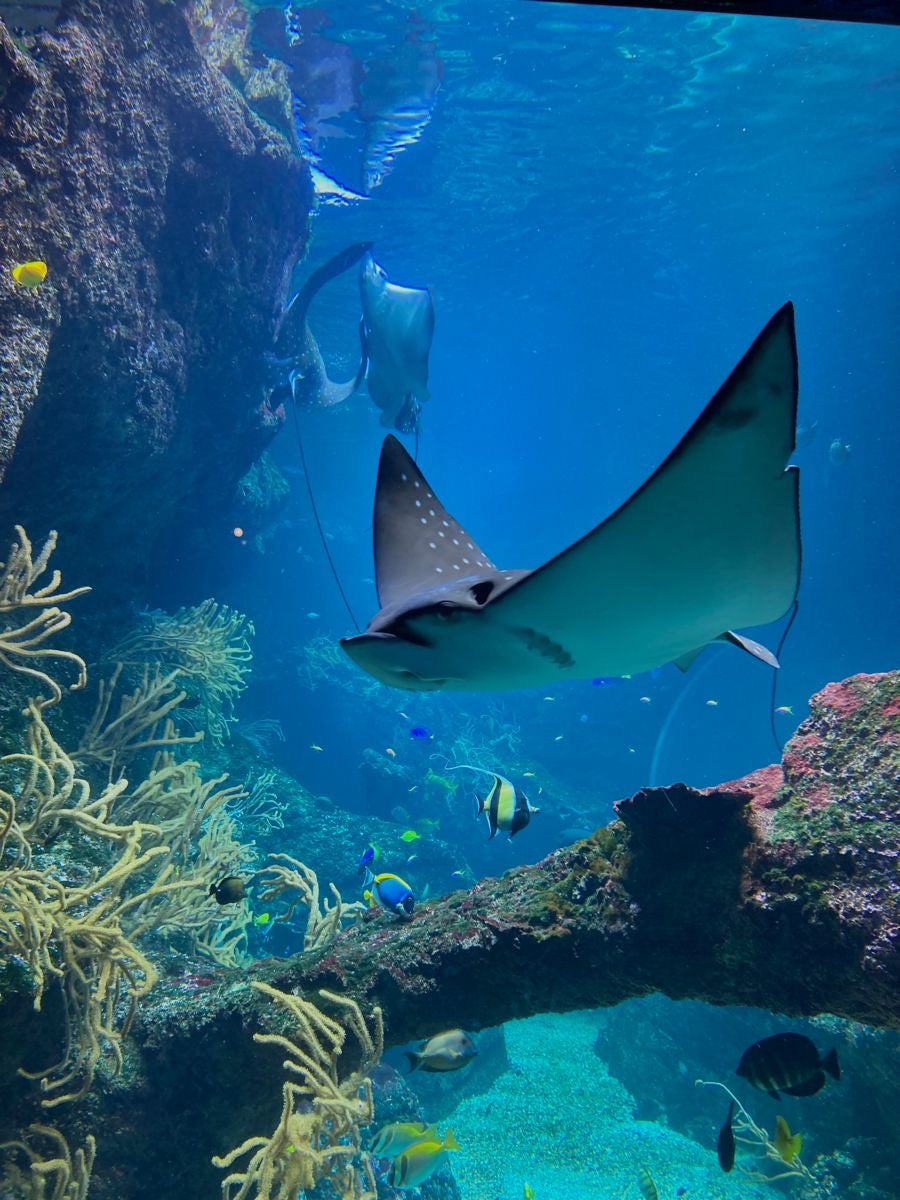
(368, 856)
(419, 733)
(457, 874)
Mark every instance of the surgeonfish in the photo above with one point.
(505, 807)
(648, 1188)
(367, 857)
(448, 1051)
(789, 1063)
(410, 835)
(420, 1161)
(392, 893)
(29, 274)
(229, 890)
(527, 1192)
(393, 1139)
(787, 1144)
(725, 1145)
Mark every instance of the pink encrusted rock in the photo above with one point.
(763, 784)
(845, 697)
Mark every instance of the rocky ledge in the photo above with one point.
(778, 890)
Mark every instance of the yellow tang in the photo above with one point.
(527, 1192)
(787, 1144)
(29, 274)
(410, 835)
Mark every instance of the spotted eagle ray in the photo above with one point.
(310, 384)
(711, 541)
(398, 325)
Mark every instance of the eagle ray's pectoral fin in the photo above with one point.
(755, 648)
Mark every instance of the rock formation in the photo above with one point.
(169, 215)
(778, 890)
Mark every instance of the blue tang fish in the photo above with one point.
(368, 856)
(392, 893)
(419, 733)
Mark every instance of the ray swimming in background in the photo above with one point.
(310, 384)
(710, 542)
(398, 327)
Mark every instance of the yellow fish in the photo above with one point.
(261, 919)
(29, 274)
(527, 1192)
(314, 746)
(420, 1162)
(648, 1188)
(393, 1139)
(390, 751)
(410, 835)
(787, 1144)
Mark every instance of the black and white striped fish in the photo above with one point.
(506, 807)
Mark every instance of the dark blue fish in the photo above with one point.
(368, 856)
(725, 1146)
(420, 733)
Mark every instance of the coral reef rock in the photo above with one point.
(169, 215)
(777, 891)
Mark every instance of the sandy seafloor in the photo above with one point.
(561, 1123)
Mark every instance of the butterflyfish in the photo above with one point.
(29, 274)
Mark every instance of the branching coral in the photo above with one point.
(323, 924)
(46, 791)
(143, 721)
(207, 643)
(67, 1175)
(319, 1138)
(764, 1149)
(84, 934)
(75, 934)
(260, 809)
(23, 647)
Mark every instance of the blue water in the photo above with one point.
(608, 205)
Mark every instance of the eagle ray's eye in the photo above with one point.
(480, 592)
